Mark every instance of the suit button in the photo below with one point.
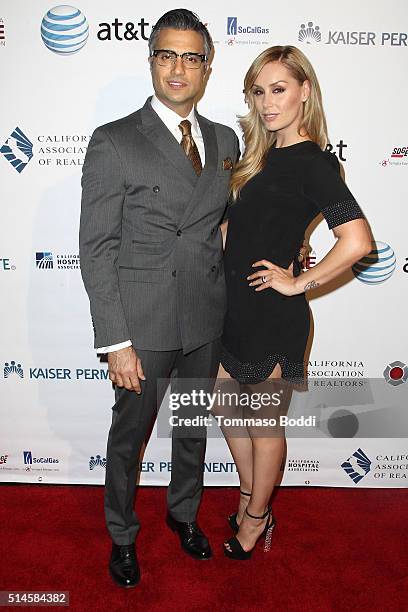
(156, 189)
(174, 273)
(179, 232)
(213, 269)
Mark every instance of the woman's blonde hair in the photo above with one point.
(257, 138)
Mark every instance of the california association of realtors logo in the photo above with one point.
(44, 260)
(18, 149)
(12, 368)
(378, 266)
(64, 29)
(357, 466)
(97, 461)
(311, 33)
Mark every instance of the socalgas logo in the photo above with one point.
(64, 30)
(309, 33)
(396, 373)
(18, 149)
(357, 466)
(245, 34)
(378, 266)
(44, 260)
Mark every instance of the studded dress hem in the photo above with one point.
(257, 372)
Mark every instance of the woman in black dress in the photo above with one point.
(284, 180)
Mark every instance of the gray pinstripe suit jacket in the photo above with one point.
(150, 244)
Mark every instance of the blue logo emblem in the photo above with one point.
(95, 461)
(357, 466)
(378, 266)
(44, 261)
(13, 368)
(18, 150)
(28, 457)
(64, 30)
(309, 33)
(232, 26)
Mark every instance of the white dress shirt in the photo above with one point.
(172, 121)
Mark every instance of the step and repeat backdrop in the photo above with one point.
(69, 68)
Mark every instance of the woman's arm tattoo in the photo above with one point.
(311, 285)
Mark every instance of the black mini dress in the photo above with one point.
(268, 221)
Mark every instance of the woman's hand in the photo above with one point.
(273, 277)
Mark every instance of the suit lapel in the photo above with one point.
(160, 136)
(208, 173)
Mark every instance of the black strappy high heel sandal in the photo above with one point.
(237, 552)
(232, 518)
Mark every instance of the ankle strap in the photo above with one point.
(259, 517)
(243, 493)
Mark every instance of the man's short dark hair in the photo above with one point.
(181, 19)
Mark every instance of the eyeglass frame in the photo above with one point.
(202, 56)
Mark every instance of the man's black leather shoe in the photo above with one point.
(192, 539)
(123, 565)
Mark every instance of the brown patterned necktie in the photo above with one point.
(190, 147)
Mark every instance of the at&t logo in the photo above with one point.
(378, 266)
(64, 30)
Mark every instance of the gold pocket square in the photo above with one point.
(227, 164)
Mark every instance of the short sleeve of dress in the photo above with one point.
(324, 185)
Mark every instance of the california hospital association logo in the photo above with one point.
(64, 30)
(18, 150)
(357, 466)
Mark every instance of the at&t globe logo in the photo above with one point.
(378, 266)
(64, 29)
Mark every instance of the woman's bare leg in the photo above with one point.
(241, 451)
(267, 453)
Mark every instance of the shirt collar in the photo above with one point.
(171, 119)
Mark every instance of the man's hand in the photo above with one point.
(125, 369)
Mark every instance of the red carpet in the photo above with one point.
(332, 550)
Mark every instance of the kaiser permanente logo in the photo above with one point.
(15, 369)
(18, 150)
(310, 33)
(357, 466)
(44, 260)
(97, 461)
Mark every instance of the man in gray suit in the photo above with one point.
(155, 186)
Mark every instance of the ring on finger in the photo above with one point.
(264, 279)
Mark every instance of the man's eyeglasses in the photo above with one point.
(166, 57)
